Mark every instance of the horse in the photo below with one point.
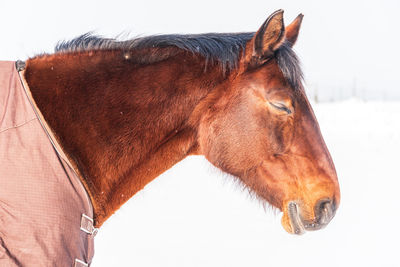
(120, 113)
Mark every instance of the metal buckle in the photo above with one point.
(87, 225)
(20, 65)
(79, 263)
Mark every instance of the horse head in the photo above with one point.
(260, 127)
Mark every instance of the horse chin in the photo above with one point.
(291, 220)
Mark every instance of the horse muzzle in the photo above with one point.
(294, 223)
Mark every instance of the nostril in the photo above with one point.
(324, 210)
(324, 203)
(333, 203)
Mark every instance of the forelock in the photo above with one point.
(289, 64)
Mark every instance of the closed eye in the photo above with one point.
(281, 106)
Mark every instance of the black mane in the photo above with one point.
(224, 48)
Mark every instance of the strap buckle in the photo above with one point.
(79, 263)
(87, 225)
(20, 65)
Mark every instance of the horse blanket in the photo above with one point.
(42, 201)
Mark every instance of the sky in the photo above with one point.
(346, 47)
(195, 216)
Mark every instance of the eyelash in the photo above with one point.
(283, 108)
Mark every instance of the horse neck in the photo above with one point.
(121, 123)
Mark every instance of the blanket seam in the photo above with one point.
(17, 126)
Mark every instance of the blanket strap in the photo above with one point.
(87, 225)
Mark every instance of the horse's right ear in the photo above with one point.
(267, 39)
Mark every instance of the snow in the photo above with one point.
(193, 215)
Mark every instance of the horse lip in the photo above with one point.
(324, 217)
(296, 223)
(300, 226)
(313, 226)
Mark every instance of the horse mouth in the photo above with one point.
(324, 212)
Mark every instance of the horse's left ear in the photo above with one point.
(292, 31)
(267, 39)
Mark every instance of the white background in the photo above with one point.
(195, 216)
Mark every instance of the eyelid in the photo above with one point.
(281, 106)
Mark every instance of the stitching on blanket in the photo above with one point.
(18, 125)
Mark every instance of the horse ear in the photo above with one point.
(267, 39)
(292, 31)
